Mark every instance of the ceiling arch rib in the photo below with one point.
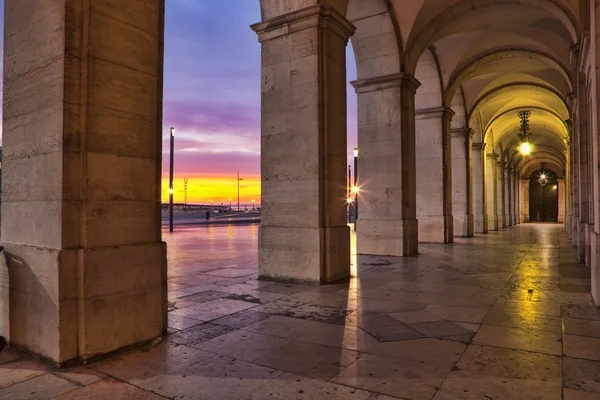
(441, 18)
(533, 165)
(510, 89)
(497, 61)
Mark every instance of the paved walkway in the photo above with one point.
(506, 315)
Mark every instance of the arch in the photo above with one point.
(499, 89)
(533, 165)
(377, 42)
(435, 16)
(471, 67)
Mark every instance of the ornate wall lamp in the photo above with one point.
(525, 147)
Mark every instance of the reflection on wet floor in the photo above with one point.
(506, 315)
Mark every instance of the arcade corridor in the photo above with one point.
(507, 315)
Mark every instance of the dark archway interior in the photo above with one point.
(543, 196)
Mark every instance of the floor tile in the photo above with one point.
(393, 377)
(582, 375)
(109, 389)
(581, 327)
(150, 362)
(215, 378)
(469, 385)
(290, 386)
(570, 394)
(198, 334)
(21, 370)
(519, 339)
(440, 328)
(222, 306)
(241, 319)
(459, 314)
(309, 359)
(430, 351)
(43, 387)
(582, 347)
(514, 364)
(415, 317)
(243, 345)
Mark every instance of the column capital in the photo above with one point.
(436, 112)
(479, 146)
(463, 133)
(386, 82)
(318, 15)
(492, 156)
(501, 164)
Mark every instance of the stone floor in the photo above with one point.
(506, 315)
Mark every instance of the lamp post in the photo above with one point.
(238, 183)
(348, 192)
(253, 201)
(229, 204)
(171, 179)
(355, 187)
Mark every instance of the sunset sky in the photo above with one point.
(212, 98)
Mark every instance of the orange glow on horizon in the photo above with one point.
(203, 190)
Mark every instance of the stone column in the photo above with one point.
(81, 206)
(584, 179)
(434, 168)
(480, 216)
(517, 198)
(492, 191)
(574, 165)
(561, 200)
(304, 235)
(525, 200)
(508, 196)
(501, 194)
(462, 182)
(386, 138)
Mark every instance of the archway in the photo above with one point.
(543, 196)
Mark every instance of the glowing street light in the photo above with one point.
(230, 204)
(253, 201)
(525, 148)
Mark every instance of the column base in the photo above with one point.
(397, 238)
(436, 228)
(509, 220)
(492, 222)
(480, 224)
(81, 303)
(595, 266)
(315, 255)
(581, 241)
(463, 225)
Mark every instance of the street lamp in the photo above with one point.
(355, 186)
(253, 201)
(172, 162)
(229, 204)
(238, 182)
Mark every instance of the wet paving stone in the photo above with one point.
(440, 329)
(582, 375)
(199, 333)
(206, 296)
(241, 319)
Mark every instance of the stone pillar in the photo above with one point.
(480, 216)
(434, 168)
(501, 194)
(508, 201)
(525, 200)
(304, 235)
(517, 198)
(386, 138)
(492, 191)
(462, 182)
(82, 150)
(574, 150)
(561, 200)
(584, 179)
